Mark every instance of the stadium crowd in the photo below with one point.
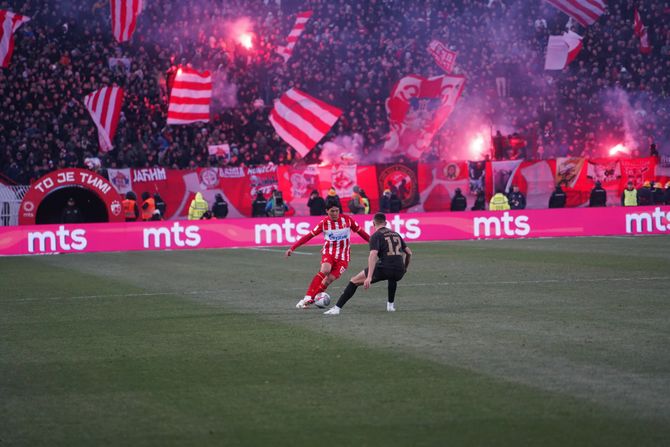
(350, 55)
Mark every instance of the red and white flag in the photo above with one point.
(297, 30)
(9, 23)
(301, 120)
(443, 56)
(417, 108)
(104, 105)
(124, 18)
(584, 11)
(219, 150)
(641, 32)
(190, 97)
(561, 50)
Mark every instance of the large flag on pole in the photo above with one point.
(584, 11)
(124, 18)
(104, 105)
(190, 97)
(561, 50)
(641, 32)
(301, 120)
(9, 23)
(298, 28)
(417, 108)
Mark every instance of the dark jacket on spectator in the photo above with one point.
(220, 207)
(258, 205)
(598, 196)
(644, 196)
(458, 202)
(316, 204)
(558, 198)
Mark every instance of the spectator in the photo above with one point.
(198, 207)
(71, 213)
(220, 207)
(517, 201)
(366, 201)
(316, 204)
(458, 202)
(558, 198)
(480, 201)
(657, 194)
(629, 195)
(645, 196)
(395, 203)
(385, 202)
(258, 205)
(667, 193)
(598, 196)
(148, 206)
(332, 196)
(356, 204)
(130, 209)
(161, 207)
(499, 202)
(276, 206)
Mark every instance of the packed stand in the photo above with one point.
(350, 55)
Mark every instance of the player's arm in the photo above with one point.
(303, 240)
(408, 256)
(372, 263)
(361, 232)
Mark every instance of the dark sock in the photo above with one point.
(348, 293)
(393, 285)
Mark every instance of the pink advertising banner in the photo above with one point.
(226, 233)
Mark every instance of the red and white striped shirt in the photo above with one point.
(336, 234)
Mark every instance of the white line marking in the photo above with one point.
(432, 284)
(280, 250)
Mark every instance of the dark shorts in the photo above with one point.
(384, 274)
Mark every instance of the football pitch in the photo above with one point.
(508, 343)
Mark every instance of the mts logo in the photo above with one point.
(505, 225)
(658, 220)
(408, 229)
(165, 237)
(290, 232)
(62, 239)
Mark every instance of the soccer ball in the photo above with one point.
(322, 300)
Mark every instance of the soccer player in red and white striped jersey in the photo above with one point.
(336, 229)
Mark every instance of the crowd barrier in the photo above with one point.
(263, 232)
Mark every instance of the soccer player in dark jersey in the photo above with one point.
(388, 261)
(336, 229)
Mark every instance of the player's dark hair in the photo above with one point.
(331, 203)
(379, 218)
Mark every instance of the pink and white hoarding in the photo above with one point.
(226, 233)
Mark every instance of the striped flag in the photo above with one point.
(124, 18)
(297, 30)
(190, 97)
(641, 32)
(584, 11)
(104, 105)
(9, 23)
(302, 120)
(561, 50)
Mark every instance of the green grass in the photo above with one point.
(528, 342)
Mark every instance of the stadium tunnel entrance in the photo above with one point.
(93, 194)
(92, 208)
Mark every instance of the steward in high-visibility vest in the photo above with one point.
(629, 196)
(499, 202)
(148, 206)
(130, 210)
(199, 206)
